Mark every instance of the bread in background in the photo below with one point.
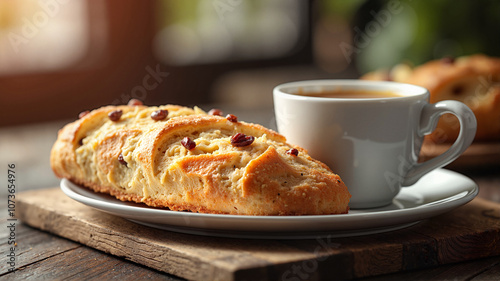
(473, 80)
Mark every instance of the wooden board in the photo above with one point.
(469, 232)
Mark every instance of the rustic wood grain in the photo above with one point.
(42, 256)
(469, 232)
(32, 247)
(481, 269)
(472, 234)
(490, 273)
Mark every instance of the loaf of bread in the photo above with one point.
(473, 80)
(187, 160)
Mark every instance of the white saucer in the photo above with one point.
(436, 193)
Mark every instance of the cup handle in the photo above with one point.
(428, 122)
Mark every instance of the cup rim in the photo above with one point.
(407, 91)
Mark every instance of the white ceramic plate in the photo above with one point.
(436, 193)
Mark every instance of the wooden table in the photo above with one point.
(44, 256)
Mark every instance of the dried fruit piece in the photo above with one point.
(188, 143)
(232, 118)
(121, 160)
(241, 139)
(448, 60)
(215, 111)
(457, 90)
(115, 115)
(135, 102)
(159, 114)
(83, 113)
(292, 151)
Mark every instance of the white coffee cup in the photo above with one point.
(372, 143)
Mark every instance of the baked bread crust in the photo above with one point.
(214, 177)
(473, 80)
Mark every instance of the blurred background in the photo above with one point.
(60, 57)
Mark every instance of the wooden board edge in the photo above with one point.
(47, 220)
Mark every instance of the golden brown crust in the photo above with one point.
(214, 177)
(473, 80)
